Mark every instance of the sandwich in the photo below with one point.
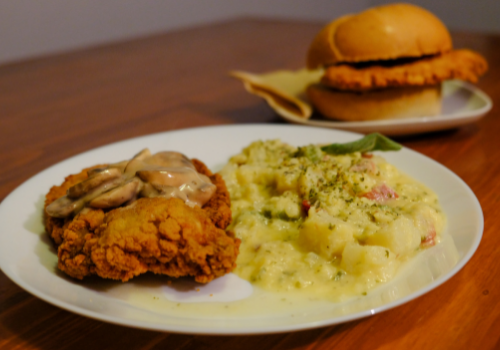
(386, 62)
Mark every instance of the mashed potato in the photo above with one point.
(335, 226)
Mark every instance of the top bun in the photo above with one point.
(380, 33)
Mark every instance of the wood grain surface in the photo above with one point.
(54, 107)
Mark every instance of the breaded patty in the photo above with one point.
(458, 64)
(164, 236)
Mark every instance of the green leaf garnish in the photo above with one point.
(369, 143)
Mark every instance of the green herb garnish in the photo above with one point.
(369, 143)
(311, 152)
(338, 276)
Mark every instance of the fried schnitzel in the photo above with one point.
(458, 64)
(161, 235)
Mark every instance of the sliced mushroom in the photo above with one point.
(181, 182)
(93, 172)
(161, 177)
(166, 174)
(118, 195)
(148, 191)
(66, 206)
(191, 195)
(143, 154)
(170, 160)
(63, 207)
(202, 194)
(120, 166)
(137, 162)
(97, 179)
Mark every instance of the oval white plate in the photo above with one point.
(463, 103)
(28, 258)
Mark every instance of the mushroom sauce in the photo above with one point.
(164, 174)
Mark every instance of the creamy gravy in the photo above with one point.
(164, 174)
(302, 305)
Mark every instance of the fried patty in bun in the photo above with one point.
(386, 62)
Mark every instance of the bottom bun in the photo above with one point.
(393, 103)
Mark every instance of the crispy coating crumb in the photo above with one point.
(74, 259)
(458, 64)
(164, 236)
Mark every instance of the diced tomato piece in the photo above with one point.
(367, 155)
(381, 193)
(429, 240)
(306, 205)
(364, 166)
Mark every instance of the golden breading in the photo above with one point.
(160, 235)
(458, 64)
(164, 236)
(73, 259)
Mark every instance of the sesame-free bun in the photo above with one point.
(394, 103)
(380, 33)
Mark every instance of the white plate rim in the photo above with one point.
(6, 266)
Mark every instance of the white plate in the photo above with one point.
(28, 258)
(462, 104)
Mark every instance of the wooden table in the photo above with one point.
(55, 107)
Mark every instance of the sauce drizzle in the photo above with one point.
(164, 174)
